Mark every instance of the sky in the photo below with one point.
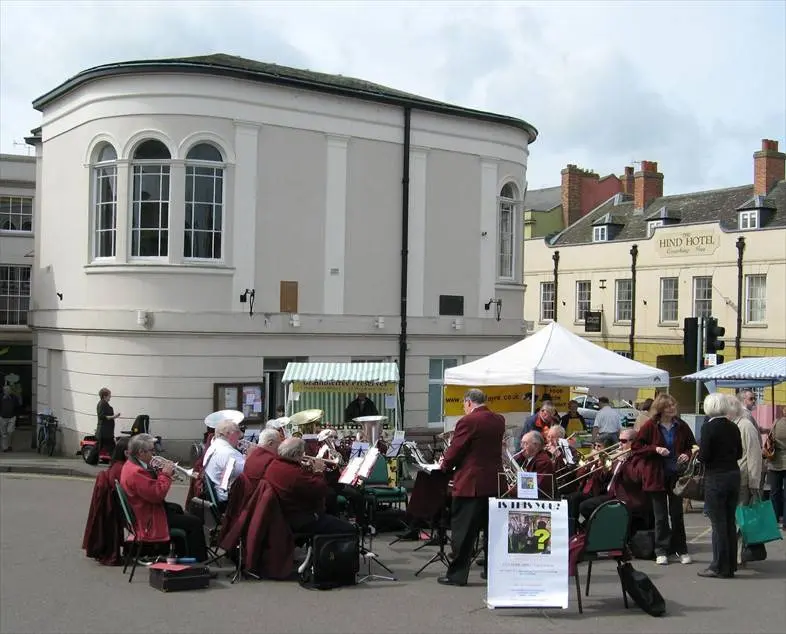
(692, 85)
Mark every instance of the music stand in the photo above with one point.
(368, 529)
(442, 537)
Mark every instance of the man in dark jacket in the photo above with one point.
(361, 406)
(476, 455)
(8, 405)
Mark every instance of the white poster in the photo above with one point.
(527, 485)
(528, 554)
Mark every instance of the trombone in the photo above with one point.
(593, 456)
(604, 462)
(159, 462)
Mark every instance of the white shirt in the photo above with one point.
(608, 420)
(217, 458)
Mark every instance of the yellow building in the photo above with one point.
(628, 273)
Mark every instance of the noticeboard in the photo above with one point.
(592, 321)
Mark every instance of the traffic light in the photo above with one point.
(690, 340)
(712, 334)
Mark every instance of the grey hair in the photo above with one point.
(716, 404)
(475, 396)
(292, 449)
(734, 406)
(559, 430)
(139, 443)
(268, 437)
(226, 427)
(535, 436)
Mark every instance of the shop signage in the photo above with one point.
(688, 243)
(592, 321)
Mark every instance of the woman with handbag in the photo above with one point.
(776, 468)
(719, 452)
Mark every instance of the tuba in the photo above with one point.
(158, 462)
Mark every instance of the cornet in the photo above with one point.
(159, 462)
(310, 461)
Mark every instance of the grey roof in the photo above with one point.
(718, 205)
(242, 68)
(543, 199)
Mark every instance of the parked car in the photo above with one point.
(588, 408)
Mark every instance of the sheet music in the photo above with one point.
(350, 473)
(564, 445)
(368, 463)
(227, 474)
(394, 448)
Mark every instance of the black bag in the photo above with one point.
(642, 545)
(691, 484)
(753, 552)
(175, 578)
(640, 588)
(91, 455)
(332, 561)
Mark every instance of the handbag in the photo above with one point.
(757, 523)
(332, 561)
(640, 588)
(691, 484)
(768, 450)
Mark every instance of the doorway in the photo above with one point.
(273, 369)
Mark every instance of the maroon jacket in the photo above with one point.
(104, 529)
(543, 465)
(476, 453)
(258, 462)
(645, 446)
(300, 494)
(627, 485)
(146, 495)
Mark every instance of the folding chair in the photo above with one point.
(217, 516)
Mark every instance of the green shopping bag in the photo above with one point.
(757, 523)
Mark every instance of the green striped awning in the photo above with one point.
(346, 376)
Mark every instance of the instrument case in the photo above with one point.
(176, 577)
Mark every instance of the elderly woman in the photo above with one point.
(776, 474)
(719, 451)
(751, 462)
(666, 442)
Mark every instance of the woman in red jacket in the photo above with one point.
(666, 443)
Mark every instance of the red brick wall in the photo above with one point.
(768, 167)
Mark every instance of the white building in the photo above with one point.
(169, 188)
(17, 193)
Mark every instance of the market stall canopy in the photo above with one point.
(556, 356)
(356, 375)
(749, 372)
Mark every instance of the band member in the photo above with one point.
(534, 458)
(260, 457)
(147, 490)
(476, 456)
(361, 406)
(223, 456)
(354, 498)
(301, 494)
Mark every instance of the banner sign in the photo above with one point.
(506, 398)
(341, 387)
(528, 554)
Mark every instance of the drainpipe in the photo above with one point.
(634, 255)
(555, 257)
(738, 338)
(402, 338)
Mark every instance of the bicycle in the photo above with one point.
(47, 434)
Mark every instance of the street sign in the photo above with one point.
(710, 360)
(592, 321)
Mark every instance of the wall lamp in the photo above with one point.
(248, 296)
(497, 303)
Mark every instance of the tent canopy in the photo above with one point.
(556, 356)
(752, 372)
(351, 373)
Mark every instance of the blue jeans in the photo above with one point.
(777, 480)
(721, 494)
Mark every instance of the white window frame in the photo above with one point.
(547, 298)
(669, 305)
(705, 301)
(14, 294)
(507, 204)
(756, 307)
(623, 306)
(14, 211)
(600, 233)
(438, 381)
(749, 219)
(193, 166)
(138, 167)
(101, 171)
(583, 299)
(652, 225)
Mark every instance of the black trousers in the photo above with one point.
(194, 528)
(721, 493)
(669, 521)
(468, 516)
(105, 442)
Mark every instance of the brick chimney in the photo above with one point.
(627, 181)
(647, 185)
(768, 167)
(571, 194)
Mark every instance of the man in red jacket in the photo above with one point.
(260, 457)
(476, 455)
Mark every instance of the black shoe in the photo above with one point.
(714, 574)
(480, 562)
(447, 581)
(483, 576)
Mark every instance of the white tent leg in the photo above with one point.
(532, 400)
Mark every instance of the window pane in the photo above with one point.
(106, 153)
(435, 369)
(14, 295)
(151, 150)
(204, 152)
(434, 402)
(702, 296)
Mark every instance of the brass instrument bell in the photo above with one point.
(306, 420)
(372, 427)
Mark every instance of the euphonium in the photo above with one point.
(158, 462)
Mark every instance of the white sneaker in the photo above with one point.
(662, 560)
(686, 559)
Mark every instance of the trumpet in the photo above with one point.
(310, 461)
(159, 462)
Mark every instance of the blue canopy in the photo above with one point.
(748, 372)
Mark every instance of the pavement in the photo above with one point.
(48, 585)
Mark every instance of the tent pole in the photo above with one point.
(532, 400)
(772, 398)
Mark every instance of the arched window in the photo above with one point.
(150, 200)
(506, 231)
(204, 203)
(104, 201)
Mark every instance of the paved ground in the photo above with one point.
(47, 585)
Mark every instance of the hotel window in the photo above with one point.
(583, 298)
(755, 299)
(669, 299)
(204, 203)
(600, 234)
(546, 301)
(436, 373)
(105, 202)
(702, 296)
(506, 231)
(749, 219)
(150, 200)
(623, 304)
(14, 295)
(16, 213)
(652, 225)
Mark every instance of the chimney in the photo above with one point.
(647, 185)
(768, 167)
(627, 182)
(572, 177)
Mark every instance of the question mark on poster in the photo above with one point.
(543, 536)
